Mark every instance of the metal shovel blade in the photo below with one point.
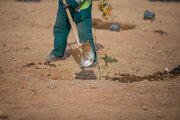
(83, 55)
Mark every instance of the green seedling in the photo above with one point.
(105, 9)
(108, 59)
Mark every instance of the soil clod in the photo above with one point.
(161, 32)
(145, 107)
(29, 64)
(49, 64)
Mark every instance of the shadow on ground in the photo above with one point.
(99, 24)
(86, 75)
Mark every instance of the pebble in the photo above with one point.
(48, 75)
(52, 87)
(92, 87)
(145, 107)
(141, 92)
(166, 69)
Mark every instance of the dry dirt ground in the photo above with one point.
(31, 89)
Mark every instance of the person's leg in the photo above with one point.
(60, 31)
(85, 33)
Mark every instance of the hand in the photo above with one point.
(67, 6)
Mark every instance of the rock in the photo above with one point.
(114, 27)
(141, 92)
(33, 90)
(52, 87)
(166, 69)
(92, 87)
(145, 107)
(48, 75)
(148, 15)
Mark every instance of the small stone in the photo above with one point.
(158, 116)
(92, 87)
(166, 69)
(48, 75)
(145, 107)
(26, 48)
(33, 90)
(52, 87)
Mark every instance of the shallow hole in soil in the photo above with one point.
(158, 76)
(99, 24)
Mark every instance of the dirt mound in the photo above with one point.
(99, 24)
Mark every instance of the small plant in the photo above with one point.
(105, 9)
(108, 60)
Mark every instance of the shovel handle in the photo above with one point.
(73, 26)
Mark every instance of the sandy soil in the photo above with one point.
(31, 89)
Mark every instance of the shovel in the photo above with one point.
(83, 54)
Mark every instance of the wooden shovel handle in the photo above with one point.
(75, 32)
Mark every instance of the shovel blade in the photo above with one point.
(83, 55)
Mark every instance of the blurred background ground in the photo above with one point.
(31, 89)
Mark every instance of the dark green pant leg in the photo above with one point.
(85, 33)
(60, 31)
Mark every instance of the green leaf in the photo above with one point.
(108, 59)
(112, 60)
